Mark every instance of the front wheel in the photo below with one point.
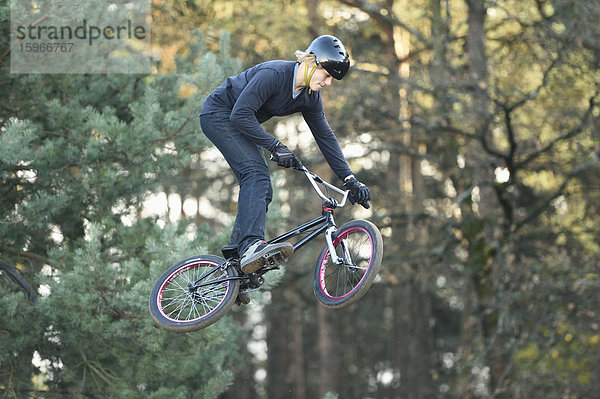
(193, 294)
(360, 245)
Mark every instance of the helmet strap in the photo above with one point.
(308, 76)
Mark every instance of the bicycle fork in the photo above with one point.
(338, 260)
(332, 252)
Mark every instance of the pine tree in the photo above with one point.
(78, 156)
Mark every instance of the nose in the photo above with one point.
(329, 80)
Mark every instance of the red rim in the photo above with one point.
(323, 268)
(178, 272)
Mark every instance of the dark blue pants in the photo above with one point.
(249, 165)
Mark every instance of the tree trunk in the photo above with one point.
(243, 386)
(477, 164)
(478, 68)
(279, 357)
(411, 349)
(329, 360)
(313, 18)
(297, 349)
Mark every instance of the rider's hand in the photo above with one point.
(284, 157)
(358, 192)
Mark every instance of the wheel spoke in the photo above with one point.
(358, 249)
(179, 302)
(355, 249)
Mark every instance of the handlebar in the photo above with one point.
(314, 179)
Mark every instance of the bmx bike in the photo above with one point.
(196, 292)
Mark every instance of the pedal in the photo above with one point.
(242, 299)
(274, 259)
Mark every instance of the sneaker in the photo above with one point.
(254, 257)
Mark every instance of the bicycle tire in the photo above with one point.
(175, 307)
(15, 279)
(360, 243)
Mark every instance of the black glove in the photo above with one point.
(284, 157)
(358, 192)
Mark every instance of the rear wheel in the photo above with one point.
(360, 245)
(193, 294)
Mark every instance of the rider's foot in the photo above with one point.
(254, 257)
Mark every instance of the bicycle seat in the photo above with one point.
(230, 251)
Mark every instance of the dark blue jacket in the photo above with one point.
(266, 90)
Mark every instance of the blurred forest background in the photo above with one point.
(475, 124)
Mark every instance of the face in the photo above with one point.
(320, 79)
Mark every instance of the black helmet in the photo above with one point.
(331, 55)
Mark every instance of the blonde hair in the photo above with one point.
(309, 58)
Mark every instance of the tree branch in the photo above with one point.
(35, 23)
(574, 172)
(23, 254)
(374, 11)
(175, 133)
(570, 134)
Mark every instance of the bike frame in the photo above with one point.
(322, 224)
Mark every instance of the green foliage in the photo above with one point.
(78, 156)
(100, 337)
(489, 285)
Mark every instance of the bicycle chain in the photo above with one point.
(274, 265)
(247, 290)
